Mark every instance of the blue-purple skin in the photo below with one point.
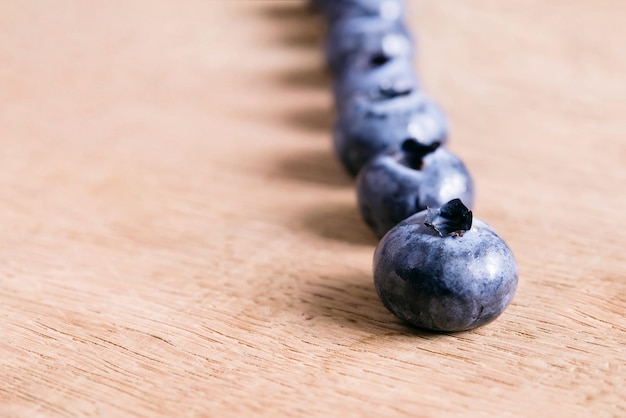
(340, 9)
(368, 124)
(403, 181)
(370, 72)
(450, 283)
(356, 36)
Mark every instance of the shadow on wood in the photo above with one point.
(312, 119)
(314, 166)
(350, 301)
(288, 10)
(301, 27)
(339, 221)
(313, 77)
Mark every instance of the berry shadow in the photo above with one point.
(312, 119)
(314, 166)
(339, 222)
(350, 301)
(311, 38)
(313, 78)
(288, 10)
(301, 27)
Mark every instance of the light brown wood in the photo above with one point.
(178, 239)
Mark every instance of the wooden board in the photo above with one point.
(178, 239)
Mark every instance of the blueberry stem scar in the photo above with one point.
(393, 91)
(379, 59)
(453, 218)
(415, 151)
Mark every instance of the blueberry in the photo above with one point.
(350, 38)
(407, 179)
(440, 270)
(367, 124)
(382, 9)
(371, 71)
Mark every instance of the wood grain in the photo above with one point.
(178, 240)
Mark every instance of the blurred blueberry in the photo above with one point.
(339, 9)
(454, 282)
(407, 179)
(352, 37)
(368, 124)
(368, 72)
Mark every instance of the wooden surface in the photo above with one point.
(178, 239)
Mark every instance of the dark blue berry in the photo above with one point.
(370, 72)
(350, 38)
(341, 9)
(454, 282)
(407, 179)
(370, 123)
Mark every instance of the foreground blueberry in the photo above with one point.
(372, 71)
(370, 123)
(407, 179)
(441, 270)
(352, 37)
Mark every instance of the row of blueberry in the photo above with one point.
(435, 267)
(389, 133)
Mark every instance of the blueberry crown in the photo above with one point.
(391, 90)
(453, 218)
(379, 59)
(413, 152)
